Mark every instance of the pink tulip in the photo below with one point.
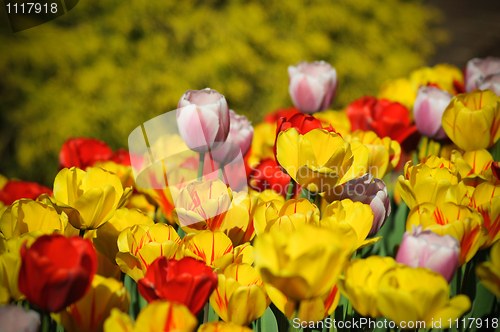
(16, 319)
(490, 82)
(203, 119)
(372, 191)
(478, 68)
(430, 250)
(428, 110)
(239, 139)
(312, 85)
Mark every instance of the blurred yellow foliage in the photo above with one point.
(108, 66)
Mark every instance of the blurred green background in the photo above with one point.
(107, 66)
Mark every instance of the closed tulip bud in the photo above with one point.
(430, 250)
(478, 68)
(312, 85)
(203, 119)
(428, 110)
(372, 191)
(240, 136)
(56, 271)
(490, 82)
(186, 281)
(16, 319)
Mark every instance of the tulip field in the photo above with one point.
(381, 216)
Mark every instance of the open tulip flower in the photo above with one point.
(140, 245)
(285, 217)
(359, 283)
(223, 327)
(187, 281)
(240, 296)
(428, 181)
(90, 312)
(489, 272)
(474, 164)
(474, 112)
(56, 271)
(305, 264)
(461, 222)
(94, 195)
(409, 295)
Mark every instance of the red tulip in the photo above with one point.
(56, 271)
(121, 156)
(280, 113)
(187, 281)
(268, 175)
(385, 118)
(15, 190)
(83, 152)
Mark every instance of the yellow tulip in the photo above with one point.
(489, 272)
(461, 222)
(262, 143)
(427, 182)
(445, 76)
(336, 119)
(107, 268)
(267, 195)
(223, 327)
(122, 171)
(140, 245)
(311, 310)
(118, 321)
(428, 148)
(358, 215)
(359, 284)
(202, 205)
(472, 120)
(485, 199)
(474, 163)
(26, 215)
(317, 160)
(94, 195)
(284, 217)
(106, 236)
(385, 152)
(89, 313)
(305, 264)
(240, 296)
(400, 90)
(409, 296)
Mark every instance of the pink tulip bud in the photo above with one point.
(428, 110)
(312, 85)
(16, 319)
(203, 119)
(490, 82)
(240, 135)
(372, 191)
(430, 250)
(478, 68)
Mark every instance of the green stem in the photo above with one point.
(82, 233)
(205, 313)
(459, 279)
(304, 193)
(466, 274)
(201, 165)
(312, 197)
(46, 322)
(296, 315)
(291, 186)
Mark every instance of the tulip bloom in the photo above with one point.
(89, 198)
(405, 295)
(274, 116)
(489, 272)
(83, 152)
(474, 112)
(430, 250)
(444, 76)
(223, 327)
(459, 221)
(490, 82)
(238, 223)
(56, 271)
(385, 118)
(485, 199)
(202, 205)
(360, 281)
(203, 119)
(284, 216)
(312, 85)
(428, 181)
(305, 264)
(478, 68)
(14, 190)
(186, 281)
(140, 245)
(240, 136)
(428, 110)
(268, 175)
(89, 313)
(16, 319)
(473, 164)
(373, 192)
(240, 296)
